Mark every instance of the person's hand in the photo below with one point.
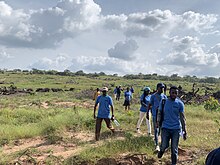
(147, 115)
(184, 135)
(113, 117)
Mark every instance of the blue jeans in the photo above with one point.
(174, 135)
(156, 131)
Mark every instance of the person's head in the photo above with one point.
(104, 91)
(128, 89)
(173, 92)
(146, 90)
(160, 87)
(97, 89)
(213, 158)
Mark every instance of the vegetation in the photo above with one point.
(25, 116)
(212, 104)
(154, 76)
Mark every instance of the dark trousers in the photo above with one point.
(99, 125)
(166, 136)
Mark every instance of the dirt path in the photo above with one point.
(38, 151)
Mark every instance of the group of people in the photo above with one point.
(167, 116)
(128, 94)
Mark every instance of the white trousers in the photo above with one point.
(141, 117)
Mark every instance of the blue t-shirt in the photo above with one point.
(172, 109)
(128, 95)
(115, 91)
(147, 100)
(104, 106)
(155, 101)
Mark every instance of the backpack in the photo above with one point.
(162, 112)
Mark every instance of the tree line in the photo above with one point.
(154, 76)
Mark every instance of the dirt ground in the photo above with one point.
(39, 151)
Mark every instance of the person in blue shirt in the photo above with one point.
(144, 99)
(127, 101)
(213, 158)
(171, 115)
(153, 105)
(118, 92)
(105, 102)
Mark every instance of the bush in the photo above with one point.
(212, 104)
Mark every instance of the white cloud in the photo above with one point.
(124, 50)
(59, 63)
(158, 22)
(4, 56)
(198, 22)
(5, 10)
(47, 27)
(188, 56)
(215, 49)
(108, 65)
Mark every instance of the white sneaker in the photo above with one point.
(138, 130)
(157, 148)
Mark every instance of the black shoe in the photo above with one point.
(160, 154)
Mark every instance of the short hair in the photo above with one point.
(173, 87)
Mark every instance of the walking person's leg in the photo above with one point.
(141, 117)
(148, 125)
(174, 145)
(156, 131)
(165, 139)
(98, 128)
(109, 125)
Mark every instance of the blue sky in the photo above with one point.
(118, 36)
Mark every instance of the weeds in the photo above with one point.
(110, 149)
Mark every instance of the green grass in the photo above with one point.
(21, 115)
(113, 148)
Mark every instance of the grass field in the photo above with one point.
(58, 127)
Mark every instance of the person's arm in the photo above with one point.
(159, 113)
(183, 123)
(96, 103)
(148, 109)
(145, 105)
(95, 110)
(112, 109)
(94, 96)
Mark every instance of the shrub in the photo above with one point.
(212, 104)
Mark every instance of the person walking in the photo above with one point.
(144, 99)
(153, 106)
(96, 94)
(213, 158)
(171, 115)
(132, 92)
(127, 101)
(118, 92)
(105, 102)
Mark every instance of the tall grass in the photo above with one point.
(203, 131)
(24, 123)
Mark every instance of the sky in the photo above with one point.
(112, 36)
